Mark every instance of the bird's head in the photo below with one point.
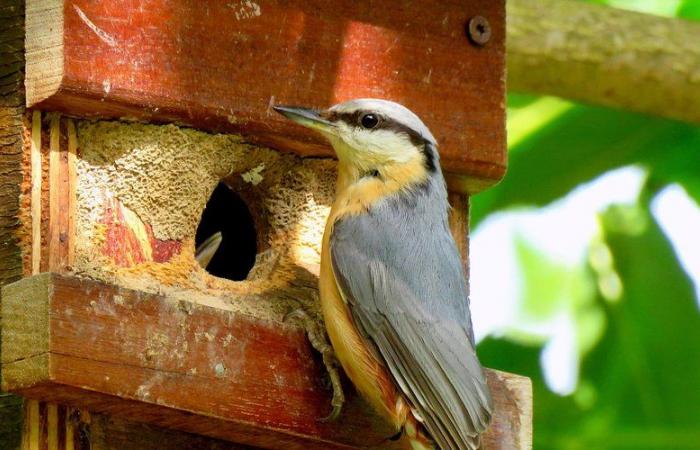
(372, 136)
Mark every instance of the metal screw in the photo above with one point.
(479, 30)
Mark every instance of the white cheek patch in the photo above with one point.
(380, 146)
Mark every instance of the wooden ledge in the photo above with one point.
(221, 65)
(195, 368)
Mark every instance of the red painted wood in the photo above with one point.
(126, 245)
(220, 65)
(193, 368)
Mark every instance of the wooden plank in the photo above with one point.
(160, 61)
(194, 368)
(12, 173)
(115, 433)
(56, 191)
(459, 226)
(72, 194)
(62, 192)
(36, 176)
(11, 137)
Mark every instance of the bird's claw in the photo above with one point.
(333, 416)
(319, 341)
(338, 400)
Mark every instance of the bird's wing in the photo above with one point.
(405, 288)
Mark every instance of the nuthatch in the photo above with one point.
(393, 291)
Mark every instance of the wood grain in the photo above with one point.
(459, 226)
(11, 137)
(221, 65)
(35, 202)
(194, 368)
(12, 133)
(62, 192)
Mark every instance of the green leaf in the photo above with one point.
(583, 142)
(689, 9)
(638, 386)
(551, 288)
(654, 338)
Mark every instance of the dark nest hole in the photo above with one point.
(227, 213)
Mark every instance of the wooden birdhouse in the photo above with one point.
(148, 128)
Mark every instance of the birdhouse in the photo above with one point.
(147, 130)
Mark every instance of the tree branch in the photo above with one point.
(605, 56)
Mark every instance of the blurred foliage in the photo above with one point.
(639, 378)
(638, 387)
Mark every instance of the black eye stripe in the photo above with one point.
(354, 118)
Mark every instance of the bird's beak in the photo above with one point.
(306, 117)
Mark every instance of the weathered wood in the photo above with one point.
(459, 226)
(11, 177)
(62, 193)
(114, 433)
(193, 368)
(11, 136)
(605, 56)
(158, 62)
(36, 177)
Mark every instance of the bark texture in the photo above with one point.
(605, 56)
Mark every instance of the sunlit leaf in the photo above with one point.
(689, 9)
(584, 142)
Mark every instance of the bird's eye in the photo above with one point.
(369, 121)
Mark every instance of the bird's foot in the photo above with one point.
(319, 341)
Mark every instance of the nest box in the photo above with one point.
(148, 128)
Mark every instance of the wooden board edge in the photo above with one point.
(35, 194)
(46, 387)
(43, 49)
(26, 373)
(513, 393)
(39, 374)
(521, 387)
(472, 184)
(27, 298)
(172, 418)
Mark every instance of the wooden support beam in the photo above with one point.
(221, 65)
(195, 368)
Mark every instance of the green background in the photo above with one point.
(639, 376)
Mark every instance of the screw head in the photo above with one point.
(479, 30)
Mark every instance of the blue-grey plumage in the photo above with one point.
(393, 290)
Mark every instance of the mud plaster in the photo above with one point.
(165, 174)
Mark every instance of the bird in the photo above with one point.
(392, 287)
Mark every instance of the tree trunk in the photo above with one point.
(605, 56)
